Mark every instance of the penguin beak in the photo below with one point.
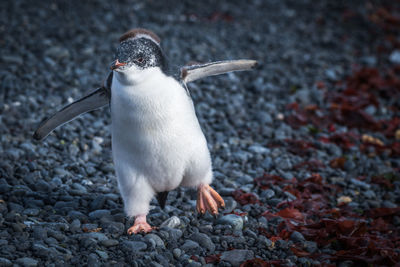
(116, 64)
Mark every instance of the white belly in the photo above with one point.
(156, 134)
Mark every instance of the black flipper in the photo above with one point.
(94, 100)
(162, 198)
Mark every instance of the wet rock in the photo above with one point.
(231, 219)
(133, 246)
(25, 261)
(237, 256)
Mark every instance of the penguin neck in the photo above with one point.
(137, 77)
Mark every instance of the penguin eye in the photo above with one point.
(140, 60)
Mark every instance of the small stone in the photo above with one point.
(176, 252)
(42, 251)
(395, 57)
(102, 254)
(234, 220)
(360, 183)
(93, 260)
(134, 246)
(98, 214)
(172, 222)
(27, 261)
(75, 226)
(259, 149)
(267, 163)
(174, 234)
(78, 189)
(97, 236)
(269, 193)
(264, 118)
(204, 241)
(369, 194)
(12, 59)
(109, 242)
(283, 164)
(5, 262)
(297, 237)
(344, 199)
(194, 264)
(310, 246)
(98, 203)
(57, 52)
(154, 240)
(237, 256)
(31, 212)
(230, 205)
(73, 214)
(39, 233)
(190, 245)
(389, 204)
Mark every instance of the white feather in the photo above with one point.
(157, 141)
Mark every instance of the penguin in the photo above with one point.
(157, 142)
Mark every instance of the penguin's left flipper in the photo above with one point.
(198, 71)
(94, 100)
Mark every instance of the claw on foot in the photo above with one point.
(208, 200)
(140, 226)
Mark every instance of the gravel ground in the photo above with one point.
(59, 202)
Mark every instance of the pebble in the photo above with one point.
(395, 57)
(231, 219)
(133, 246)
(155, 241)
(204, 241)
(25, 261)
(297, 237)
(98, 214)
(190, 246)
(171, 222)
(237, 256)
(31, 212)
(268, 193)
(360, 183)
(109, 242)
(5, 262)
(177, 252)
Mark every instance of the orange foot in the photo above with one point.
(208, 200)
(140, 226)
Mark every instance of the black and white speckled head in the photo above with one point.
(139, 49)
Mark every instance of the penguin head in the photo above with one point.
(139, 50)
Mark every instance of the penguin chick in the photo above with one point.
(157, 142)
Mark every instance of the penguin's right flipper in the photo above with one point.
(94, 100)
(197, 71)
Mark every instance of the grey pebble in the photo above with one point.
(172, 222)
(98, 214)
(177, 252)
(155, 241)
(268, 193)
(237, 256)
(31, 212)
(359, 183)
(5, 262)
(234, 220)
(204, 241)
(25, 261)
(132, 246)
(190, 245)
(297, 237)
(109, 242)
